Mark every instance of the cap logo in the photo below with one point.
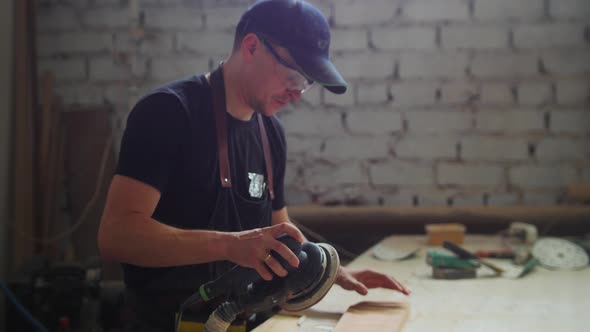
(323, 44)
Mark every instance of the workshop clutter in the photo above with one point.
(439, 233)
(522, 251)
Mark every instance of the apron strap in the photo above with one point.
(267, 156)
(219, 108)
(221, 126)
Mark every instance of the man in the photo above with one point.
(196, 187)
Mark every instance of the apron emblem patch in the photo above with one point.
(257, 185)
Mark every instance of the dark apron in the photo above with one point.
(155, 312)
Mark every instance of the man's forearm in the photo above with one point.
(143, 241)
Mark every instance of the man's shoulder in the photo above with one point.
(178, 96)
(182, 89)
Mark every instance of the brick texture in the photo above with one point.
(450, 102)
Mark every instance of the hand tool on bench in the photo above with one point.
(457, 250)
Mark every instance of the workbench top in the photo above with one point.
(543, 300)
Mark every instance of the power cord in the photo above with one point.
(21, 309)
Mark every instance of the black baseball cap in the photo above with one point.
(303, 30)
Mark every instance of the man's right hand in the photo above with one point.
(252, 249)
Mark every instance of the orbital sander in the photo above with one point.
(246, 291)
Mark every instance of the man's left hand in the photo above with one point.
(361, 280)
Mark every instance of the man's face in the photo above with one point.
(278, 80)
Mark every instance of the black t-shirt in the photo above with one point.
(170, 144)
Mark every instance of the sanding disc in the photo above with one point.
(330, 265)
(554, 253)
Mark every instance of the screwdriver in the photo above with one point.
(506, 254)
(457, 250)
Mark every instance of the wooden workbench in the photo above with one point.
(543, 300)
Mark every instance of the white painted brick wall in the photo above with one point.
(566, 62)
(349, 40)
(375, 93)
(424, 75)
(296, 196)
(469, 175)
(571, 122)
(417, 93)
(344, 100)
(106, 69)
(438, 121)
(549, 35)
(433, 65)
(488, 65)
(313, 96)
(474, 37)
(426, 147)
(402, 173)
(542, 176)
(347, 173)
(501, 10)
(374, 122)
(418, 38)
(496, 93)
(157, 44)
(573, 91)
(313, 123)
(174, 18)
(459, 92)
(117, 94)
(369, 66)
(107, 18)
(363, 12)
(428, 10)
(291, 174)
(304, 145)
(567, 9)
(357, 148)
(535, 93)
(65, 70)
(503, 199)
(167, 69)
(514, 121)
(562, 149)
(74, 43)
(57, 19)
(212, 43)
(80, 94)
(426, 196)
(494, 149)
(223, 18)
(541, 198)
(468, 199)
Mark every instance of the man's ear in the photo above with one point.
(250, 44)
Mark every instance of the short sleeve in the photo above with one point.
(153, 138)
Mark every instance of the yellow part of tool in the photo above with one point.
(188, 326)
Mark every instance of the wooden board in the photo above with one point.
(374, 316)
(88, 138)
(363, 316)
